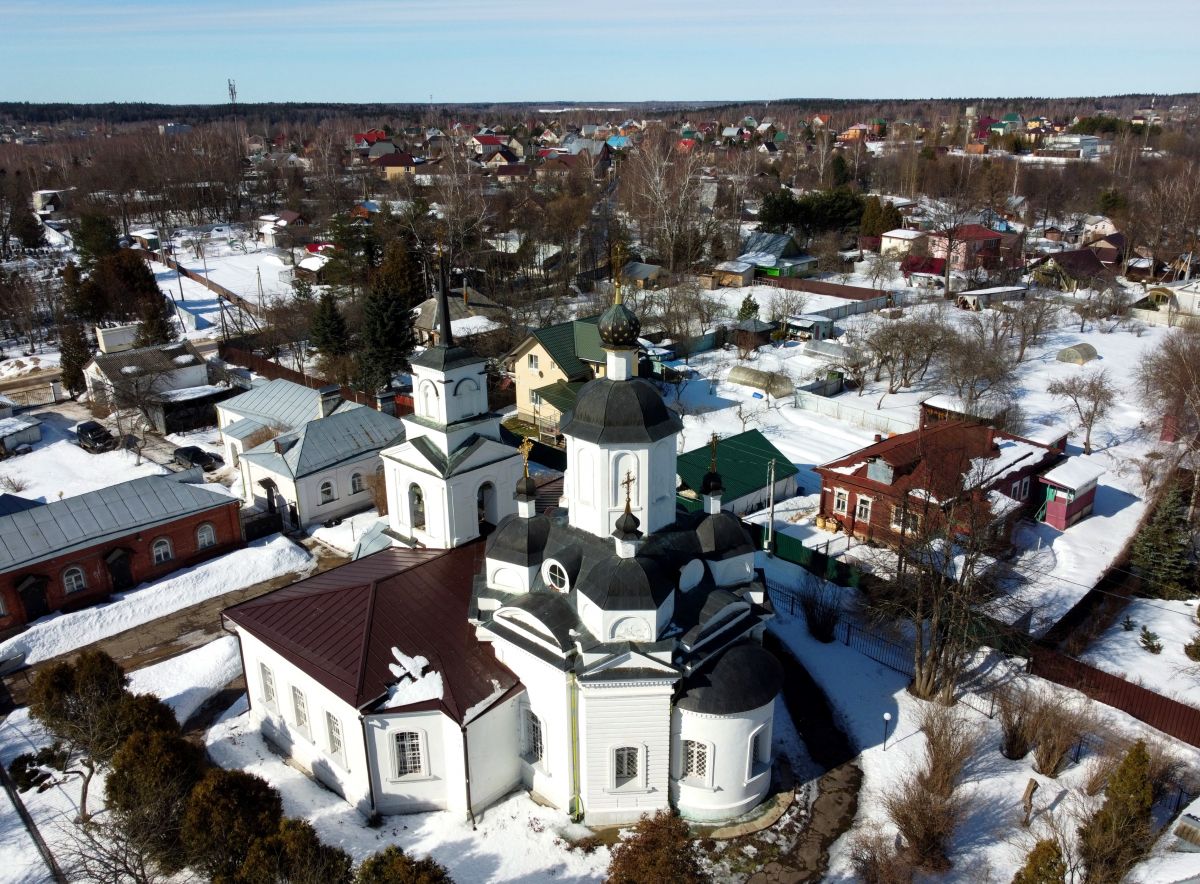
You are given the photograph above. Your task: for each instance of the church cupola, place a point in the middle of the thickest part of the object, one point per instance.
(619, 329)
(627, 530)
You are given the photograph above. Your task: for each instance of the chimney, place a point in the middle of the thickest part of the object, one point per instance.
(278, 446)
(466, 300)
(879, 437)
(331, 397)
(385, 402)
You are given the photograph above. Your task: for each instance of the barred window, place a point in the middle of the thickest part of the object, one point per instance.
(74, 580)
(268, 684)
(300, 707)
(695, 760)
(625, 764)
(408, 754)
(205, 536)
(334, 727)
(533, 737)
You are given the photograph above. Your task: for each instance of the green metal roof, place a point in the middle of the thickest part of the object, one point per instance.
(571, 343)
(743, 462)
(561, 394)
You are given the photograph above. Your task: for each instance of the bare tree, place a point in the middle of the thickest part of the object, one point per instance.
(1091, 394)
(1032, 319)
(1170, 375)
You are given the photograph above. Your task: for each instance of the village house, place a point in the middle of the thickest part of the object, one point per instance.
(899, 242)
(776, 255)
(975, 246)
(912, 481)
(606, 656)
(395, 166)
(270, 408)
(550, 366)
(130, 377)
(70, 553)
(745, 462)
(1071, 271)
(471, 313)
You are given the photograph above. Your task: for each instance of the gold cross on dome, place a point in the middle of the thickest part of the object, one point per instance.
(628, 482)
(526, 447)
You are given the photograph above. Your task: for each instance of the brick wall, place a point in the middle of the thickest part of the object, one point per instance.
(182, 534)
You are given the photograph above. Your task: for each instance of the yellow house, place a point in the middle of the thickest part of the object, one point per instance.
(550, 366)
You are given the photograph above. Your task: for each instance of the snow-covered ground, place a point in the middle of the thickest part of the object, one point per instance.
(184, 683)
(991, 844)
(257, 275)
(1169, 672)
(57, 467)
(344, 537)
(18, 364)
(515, 840)
(59, 633)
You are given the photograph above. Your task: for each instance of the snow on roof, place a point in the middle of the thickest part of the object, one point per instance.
(1045, 434)
(1075, 472)
(1013, 454)
(11, 425)
(1001, 505)
(415, 682)
(734, 266)
(185, 393)
(985, 407)
(473, 325)
(314, 262)
(904, 233)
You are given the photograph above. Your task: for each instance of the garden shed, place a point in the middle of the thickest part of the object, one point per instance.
(1078, 354)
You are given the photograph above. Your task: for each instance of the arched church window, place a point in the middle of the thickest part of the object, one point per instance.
(416, 506)
(483, 500)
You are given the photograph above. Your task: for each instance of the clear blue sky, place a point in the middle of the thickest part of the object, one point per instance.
(620, 50)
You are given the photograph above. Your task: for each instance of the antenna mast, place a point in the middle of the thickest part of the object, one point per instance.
(233, 93)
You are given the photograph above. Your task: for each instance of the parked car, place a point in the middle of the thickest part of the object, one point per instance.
(194, 456)
(93, 436)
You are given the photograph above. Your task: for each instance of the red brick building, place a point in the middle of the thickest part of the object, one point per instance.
(890, 487)
(72, 553)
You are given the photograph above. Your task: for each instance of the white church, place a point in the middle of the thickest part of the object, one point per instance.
(604, 654)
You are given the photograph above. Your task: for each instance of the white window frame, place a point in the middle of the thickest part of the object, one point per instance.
(687, 775)
(841, 501)
(67, 583)
(300, 710)
(357, 485)
(760, 736)
(898, 516)
(531, 361)
(332, 497)
(554, 567)
(634, 783)
(535, 398)
(160, 543)
(858, 507)
(1015, 491)
(422, 755)
(269, 696)
(211, 534)
(3, 607)
(335, 739)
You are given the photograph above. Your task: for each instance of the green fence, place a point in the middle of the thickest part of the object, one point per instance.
(791, 549)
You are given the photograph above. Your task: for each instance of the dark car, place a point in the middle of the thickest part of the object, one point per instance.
(94, 436)
(194, 456)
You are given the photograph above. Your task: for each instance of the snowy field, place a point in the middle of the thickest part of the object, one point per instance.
(60, 633)
(57, 467)
(1170, 672)
(991, 844)
(18, 364)
(515, 840)
(184, 683)
(257, 275)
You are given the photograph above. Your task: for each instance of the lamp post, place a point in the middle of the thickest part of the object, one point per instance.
(887, 720)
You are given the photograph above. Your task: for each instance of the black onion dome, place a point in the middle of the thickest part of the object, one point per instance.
(621, 411)
(627, 526)
(526, 488)
(711, 483)
(743, 678)
(722, 535)
(619, 328)
(637, 584)
(519, 541)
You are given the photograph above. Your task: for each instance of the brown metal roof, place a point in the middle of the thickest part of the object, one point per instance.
(340, 626)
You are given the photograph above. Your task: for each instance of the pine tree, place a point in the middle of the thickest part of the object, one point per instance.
(1160, 551)
(95, 237)
(872, 218)
(156, 322)
(393, 866)
(73, 344)
(1044, 865)
(1119, 834)
(891, 219)
(748, 310)
(329, 332)
(387, 329)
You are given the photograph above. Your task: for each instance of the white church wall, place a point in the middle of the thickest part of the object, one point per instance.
(509, 577)
(732, 571)
(615, 716)
(735, 782)
(308, 746)
(594, 479)
(494, 748)
(430, 788)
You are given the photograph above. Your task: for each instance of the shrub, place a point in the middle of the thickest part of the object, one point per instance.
(1163, 769)
(226, 812)
(1119, 834)
(1192, 648)
(1059, 727)
(659, 849)
(821, 603)
(926, 821)
(393, 866)
(13, 484)
(1128, 624)
(296, 855)
(1149, 641)
(35, 770)
(1044, 865)
(1016, 709)
(950, 741)
(875, 860)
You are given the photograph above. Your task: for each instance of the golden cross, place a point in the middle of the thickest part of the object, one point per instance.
(628, 483)
(617, 296)
(712, 443)
(525, 448)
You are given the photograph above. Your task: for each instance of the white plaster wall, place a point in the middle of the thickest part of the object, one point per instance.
(306, 493)
(735, 784)
(596, 496)
(349, 778)
(432, 790)
(493, 745)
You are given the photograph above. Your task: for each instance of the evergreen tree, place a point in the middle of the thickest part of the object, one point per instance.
(891, 219)
(660, 850)
(840, 170)
(1044, 865)
(329, 332)
(95, 237)
(293, 854)
(1112, 841)
(1160, 550)
(393, 866)
(226, 813)
(872, 218)
(73, 344)
(387, 330)
(156, 322)
(26, 227)
(748, 310)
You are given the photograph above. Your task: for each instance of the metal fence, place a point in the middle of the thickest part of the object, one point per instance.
(838, 409)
